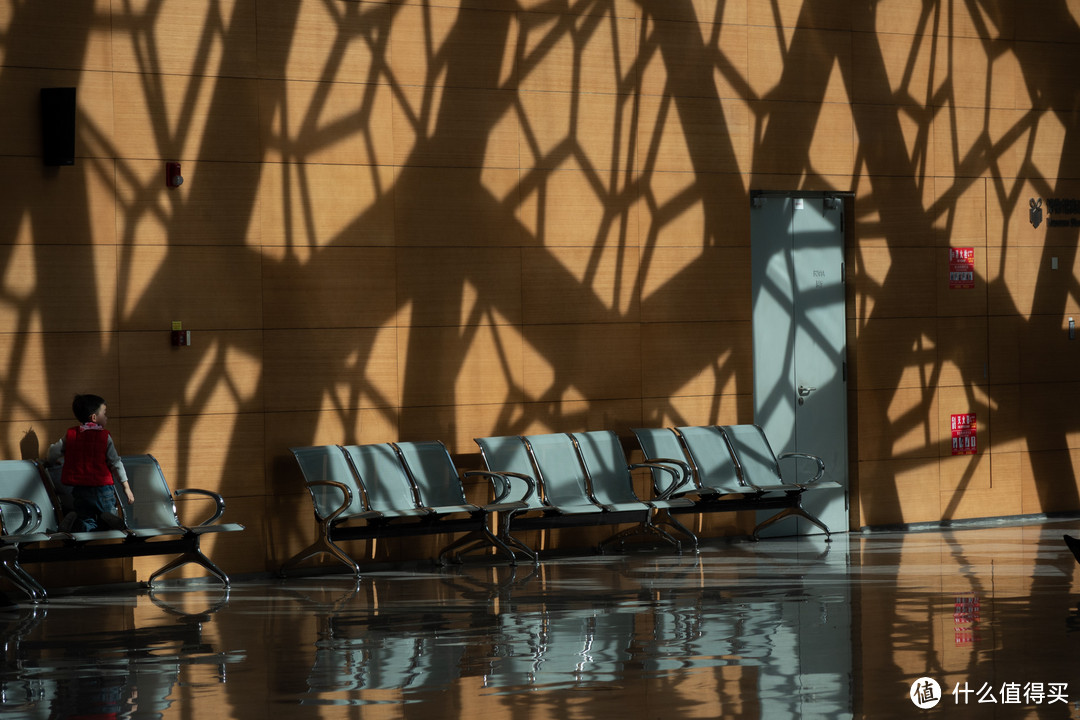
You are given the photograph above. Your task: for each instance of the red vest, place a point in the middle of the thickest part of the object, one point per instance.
(84, 457)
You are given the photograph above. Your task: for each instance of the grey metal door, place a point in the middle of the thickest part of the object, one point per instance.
(799, 330)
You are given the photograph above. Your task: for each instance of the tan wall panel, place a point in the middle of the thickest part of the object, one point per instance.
(204, 288)
(1044, 77)
(688, 284)
(1047, 422)
(58, 288)
(455, 127)
(896, 353)
(331, 369)
(453, 206)
(20, 124)
(222, 453)
(172, 38)
(44, 370)
(313, 41)
(1003, 334)
(220, 118)
(42, 203)
(457, 425)
(907, 62)
(892, 212)
(39, 36)
(967, 66)
(676, 65)
(1049, 481)
(962, 477)
(898, 424)
(559, 128)
(334, 287)
(560, 362)
(800, 65)
(310, 206)
(895, 144)
(1047, 355)
(680, 206)
(597, 58)
(326, 122)
(455, 366)
(580, 284)
(694, 134)
(217, 204)
(734, 12)
(960, 220)
(1005, 408)
(962, 351)
(960, 137)
(220, 372)
(698, 410)
(1042, 289)
(791, 13)
(799, 136)
(572, 206)
(690, 359)
(900, 282)
(1046, 21)
(456, 38)
(1050, 154)
(463, 286)
(1002, 281)
(899, 491)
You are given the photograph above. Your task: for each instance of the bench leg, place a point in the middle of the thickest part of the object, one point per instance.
(669, 519)
(322, 546)
(646, 528)
(193, 555)
(792, 512)
(22, 579)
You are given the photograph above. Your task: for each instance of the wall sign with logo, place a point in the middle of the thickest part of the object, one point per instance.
(1059, 210)
(964, 436)
(961, 268)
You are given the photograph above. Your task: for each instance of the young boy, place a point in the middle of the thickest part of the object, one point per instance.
(90, 464)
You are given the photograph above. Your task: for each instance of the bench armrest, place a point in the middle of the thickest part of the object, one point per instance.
(807, 456)
(346, 501)
(500, 495)
(219, 502)
(31, 516)
(680, 473)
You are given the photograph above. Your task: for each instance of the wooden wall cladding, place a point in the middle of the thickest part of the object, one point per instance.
(417, 221)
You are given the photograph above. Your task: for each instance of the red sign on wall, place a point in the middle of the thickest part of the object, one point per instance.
(961, 268)
(964, 435)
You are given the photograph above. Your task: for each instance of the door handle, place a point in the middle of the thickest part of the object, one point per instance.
(804, 391)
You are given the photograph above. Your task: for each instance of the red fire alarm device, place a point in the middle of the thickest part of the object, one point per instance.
(173, 178)
(180, 337)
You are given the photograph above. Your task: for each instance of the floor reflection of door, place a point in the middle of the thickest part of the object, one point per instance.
(800, 378)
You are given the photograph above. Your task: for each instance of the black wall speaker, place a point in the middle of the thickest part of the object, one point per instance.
(58, 125)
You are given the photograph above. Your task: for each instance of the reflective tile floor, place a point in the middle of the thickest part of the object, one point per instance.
(784, 628)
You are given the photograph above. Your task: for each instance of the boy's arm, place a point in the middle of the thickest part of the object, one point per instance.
(56, 452)
(113, 458)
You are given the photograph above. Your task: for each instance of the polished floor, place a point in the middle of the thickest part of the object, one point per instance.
(783, 628)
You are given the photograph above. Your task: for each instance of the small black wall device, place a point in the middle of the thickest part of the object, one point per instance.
(58, 125)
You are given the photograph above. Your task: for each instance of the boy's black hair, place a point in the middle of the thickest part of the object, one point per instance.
(86, 405)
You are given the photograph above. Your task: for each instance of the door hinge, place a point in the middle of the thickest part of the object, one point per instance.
(843, 273)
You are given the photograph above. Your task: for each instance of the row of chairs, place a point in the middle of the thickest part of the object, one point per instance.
(543, 482)
(33, 504)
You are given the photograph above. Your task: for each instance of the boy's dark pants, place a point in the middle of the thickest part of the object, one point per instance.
(93, 502)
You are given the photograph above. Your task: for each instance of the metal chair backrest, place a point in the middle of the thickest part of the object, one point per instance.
(328, 464)
(711, 459)
(662, 444)
(605, 463)
(559, 469)
(508, 454)
(154, 506)
(22, 479)
(432, 472)
(383, 476)
(753, 454)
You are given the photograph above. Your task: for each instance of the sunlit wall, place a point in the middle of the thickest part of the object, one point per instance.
(442, 220)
